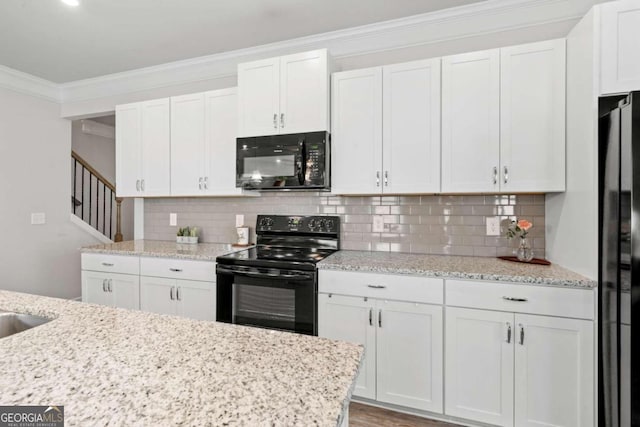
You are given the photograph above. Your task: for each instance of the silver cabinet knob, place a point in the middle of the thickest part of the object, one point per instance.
(506, 175)
(377, 178)
(521, 334)
(495, 175)
(275, 120)
(142, 184)
(282, 120)
(200, 183)
(386, 178)
(206, 182)
(137, 185)
(508, 333)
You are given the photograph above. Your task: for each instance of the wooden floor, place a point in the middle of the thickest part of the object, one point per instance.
(369, 416)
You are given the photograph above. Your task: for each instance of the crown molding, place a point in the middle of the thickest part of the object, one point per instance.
(486, 17)
(30, 85)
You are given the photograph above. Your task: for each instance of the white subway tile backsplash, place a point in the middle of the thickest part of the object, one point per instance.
(421, 224)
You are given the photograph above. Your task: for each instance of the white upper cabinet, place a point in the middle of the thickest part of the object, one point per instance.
(128, 150)
(187, 144)
(203, 143)
(259, 97)
(356, 131)
(620, 37)
(471, 122)
(304, 92)
(532, 119)
(143, 149)
(221, 118)
(411, 127)
(288, 94)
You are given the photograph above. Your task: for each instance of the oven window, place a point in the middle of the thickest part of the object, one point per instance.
(269, 166)
(264, 306)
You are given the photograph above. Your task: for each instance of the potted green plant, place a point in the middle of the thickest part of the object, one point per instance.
(187, 235)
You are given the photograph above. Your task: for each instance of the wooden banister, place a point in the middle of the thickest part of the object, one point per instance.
(97, 174)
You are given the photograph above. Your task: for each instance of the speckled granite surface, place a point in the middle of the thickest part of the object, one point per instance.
(164, 249)
(455, 267)
(119, 367)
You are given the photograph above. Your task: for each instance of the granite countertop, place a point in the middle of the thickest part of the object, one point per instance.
(112, 366)
(455, 267)
(165, 249)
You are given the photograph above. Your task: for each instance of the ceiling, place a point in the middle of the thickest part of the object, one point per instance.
(60, 43)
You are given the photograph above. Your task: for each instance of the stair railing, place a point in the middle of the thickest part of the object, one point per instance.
(93, 198)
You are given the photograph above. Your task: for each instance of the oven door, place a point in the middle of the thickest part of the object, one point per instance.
(267, 298)
(271, 162)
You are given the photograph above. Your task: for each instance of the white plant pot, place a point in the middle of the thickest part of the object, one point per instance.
(186, 239)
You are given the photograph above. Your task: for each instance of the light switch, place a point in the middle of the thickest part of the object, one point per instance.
(493, 226)
(239, 220)
(378, 224)
(38, 218)
(173, 219)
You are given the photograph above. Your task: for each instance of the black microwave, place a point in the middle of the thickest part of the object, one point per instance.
(283, 162)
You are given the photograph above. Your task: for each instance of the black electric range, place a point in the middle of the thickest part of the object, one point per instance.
(274, 285)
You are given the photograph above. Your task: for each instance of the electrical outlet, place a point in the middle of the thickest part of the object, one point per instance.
(173, 219)
(38, 218)
(239, 220)
(378, 224)
(493, 226)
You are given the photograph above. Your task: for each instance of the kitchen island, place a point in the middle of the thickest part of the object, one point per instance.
(124, 367)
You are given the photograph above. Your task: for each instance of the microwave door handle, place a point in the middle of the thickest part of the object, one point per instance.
(302, 172)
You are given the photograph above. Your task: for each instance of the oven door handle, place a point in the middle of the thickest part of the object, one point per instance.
(265, 275)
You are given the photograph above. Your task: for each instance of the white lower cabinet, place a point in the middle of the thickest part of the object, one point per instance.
(403, 347)
(111, 289)
(187, 298)
(518, 369)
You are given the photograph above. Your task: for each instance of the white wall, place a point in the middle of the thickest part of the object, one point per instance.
(100, 153)
(572, 217)
(35, 148)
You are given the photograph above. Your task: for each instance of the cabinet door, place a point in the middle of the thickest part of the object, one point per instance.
(196, 300)
(479, 368)
(128, 150)
(157, 295)
(471, 122)
(221, 124)
(126, 291)
(357, 132)
(411, 141)
(259, 97)
(351, 319)
(304, 92)
(409, 357)
(554, 372)
(187, 144)
(620, 32)
(156, 148)
(94, 288)
(532, 117)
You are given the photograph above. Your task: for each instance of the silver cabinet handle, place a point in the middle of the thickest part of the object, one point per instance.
(206, 182)
(178, 294)
(109, 283)
(171, 293)
(380, 318)
(371, 317)
(175, 270)
(495, 175)
(521, 334)
(137, 185)
(282, 120)
(275, 120)
(377, 178)
(376, 286)
(515, 299)
(386, 178)
(508, 333)
(200, 183)
(107, 264)
(104, 285)
(142, 184)
(506, 175)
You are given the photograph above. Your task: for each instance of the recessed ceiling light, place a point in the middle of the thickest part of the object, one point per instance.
(71, 2)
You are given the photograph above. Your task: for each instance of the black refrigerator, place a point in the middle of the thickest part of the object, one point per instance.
(619, 272)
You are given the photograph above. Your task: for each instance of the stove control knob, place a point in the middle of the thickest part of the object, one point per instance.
(322, 223)
(329, 224)
(311, 224)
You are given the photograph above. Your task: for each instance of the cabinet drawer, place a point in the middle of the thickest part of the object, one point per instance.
(564, 302)
(383, 286)
(178, 269)
(111, 263)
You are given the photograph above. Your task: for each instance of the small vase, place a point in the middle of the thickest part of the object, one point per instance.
(524, 252)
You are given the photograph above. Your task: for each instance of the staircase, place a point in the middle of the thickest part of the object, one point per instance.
(93, 199)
